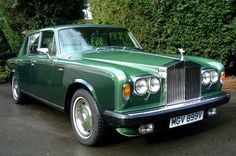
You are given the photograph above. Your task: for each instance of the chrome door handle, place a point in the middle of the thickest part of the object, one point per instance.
(33, 62)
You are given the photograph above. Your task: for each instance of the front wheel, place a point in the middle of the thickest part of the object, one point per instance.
(87, 123)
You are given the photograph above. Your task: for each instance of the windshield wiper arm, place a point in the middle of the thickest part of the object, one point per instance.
(108, 47)
(117, 47)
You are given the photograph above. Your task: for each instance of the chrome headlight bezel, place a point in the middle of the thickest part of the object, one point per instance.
(212, 76)
(154, 81)
(206, 75)
(142, 82)
(149, 80)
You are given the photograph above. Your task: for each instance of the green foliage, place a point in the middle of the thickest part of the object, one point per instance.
(204, 28)
(3, 42)
(3, 75)
(4, 49)
(17, 17)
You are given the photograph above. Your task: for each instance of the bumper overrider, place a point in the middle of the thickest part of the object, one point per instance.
(137, 118)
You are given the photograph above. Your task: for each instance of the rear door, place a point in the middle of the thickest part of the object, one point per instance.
(24, 61)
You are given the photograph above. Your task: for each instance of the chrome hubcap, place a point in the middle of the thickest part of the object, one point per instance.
(15, 88)
(82, 117)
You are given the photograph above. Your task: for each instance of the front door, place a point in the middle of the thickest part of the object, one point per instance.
(42, 66)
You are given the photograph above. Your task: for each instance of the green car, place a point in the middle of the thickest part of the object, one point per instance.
(101, 76)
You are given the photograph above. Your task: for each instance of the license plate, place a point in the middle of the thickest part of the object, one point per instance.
(186, 119)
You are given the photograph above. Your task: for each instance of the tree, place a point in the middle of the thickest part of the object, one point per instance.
(22, 16)
(4, 47)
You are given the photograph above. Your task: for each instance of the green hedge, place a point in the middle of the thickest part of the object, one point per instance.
(2, 74)
(204, 28)
(18, 17)
(5, 56)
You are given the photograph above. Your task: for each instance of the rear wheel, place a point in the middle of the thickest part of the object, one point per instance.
(18, 96)
(87, 123)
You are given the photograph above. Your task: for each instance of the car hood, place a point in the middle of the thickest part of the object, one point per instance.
(132, 63)
(135, 63)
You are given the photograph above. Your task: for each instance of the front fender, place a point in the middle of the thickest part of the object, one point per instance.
(85, 84)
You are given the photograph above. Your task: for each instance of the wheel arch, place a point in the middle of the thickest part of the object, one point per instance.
(11, 73)
(75, 85)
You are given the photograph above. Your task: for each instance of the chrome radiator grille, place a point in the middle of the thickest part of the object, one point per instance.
(183, 82)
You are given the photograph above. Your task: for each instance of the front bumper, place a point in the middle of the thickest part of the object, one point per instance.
(137, 118)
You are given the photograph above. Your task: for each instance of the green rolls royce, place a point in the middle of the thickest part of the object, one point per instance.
(101, 76)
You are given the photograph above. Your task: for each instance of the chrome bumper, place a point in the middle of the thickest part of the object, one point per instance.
(133, 119)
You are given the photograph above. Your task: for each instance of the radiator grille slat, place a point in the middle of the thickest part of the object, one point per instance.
(192, 83)
(183, 81)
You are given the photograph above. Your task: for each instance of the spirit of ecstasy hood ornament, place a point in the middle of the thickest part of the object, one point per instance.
(181, 50)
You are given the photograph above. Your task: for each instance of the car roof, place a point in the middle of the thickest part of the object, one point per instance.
(59, 27)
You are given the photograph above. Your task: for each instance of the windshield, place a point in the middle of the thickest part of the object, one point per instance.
(83, 39)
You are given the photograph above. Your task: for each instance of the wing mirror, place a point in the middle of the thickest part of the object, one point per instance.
(43, 51)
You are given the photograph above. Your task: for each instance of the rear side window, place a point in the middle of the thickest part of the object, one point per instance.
(33, 42)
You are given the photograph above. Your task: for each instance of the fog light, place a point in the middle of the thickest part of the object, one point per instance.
(212, 112)
(145, 129)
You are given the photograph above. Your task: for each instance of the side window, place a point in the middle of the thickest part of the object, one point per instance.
(33, 43)
(48, 42)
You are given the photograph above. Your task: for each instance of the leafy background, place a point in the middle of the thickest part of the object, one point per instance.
(204, 28)
(18, 17)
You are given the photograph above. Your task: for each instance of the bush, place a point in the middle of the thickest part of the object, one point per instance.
(18, 17)
(204, 28)
(5, 56)
(3, 75)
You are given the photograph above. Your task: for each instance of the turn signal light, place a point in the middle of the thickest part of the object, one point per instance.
(223, 76)
(126, 91)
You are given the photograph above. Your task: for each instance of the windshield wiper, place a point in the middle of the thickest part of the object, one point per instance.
(108, 47)
(132, 48)
(117, 47)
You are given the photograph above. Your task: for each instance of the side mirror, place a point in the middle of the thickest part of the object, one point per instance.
(43, 51)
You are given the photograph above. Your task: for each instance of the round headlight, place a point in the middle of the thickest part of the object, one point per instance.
(141, 86)
(154, 85)
(214, 76)
(206, 77)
